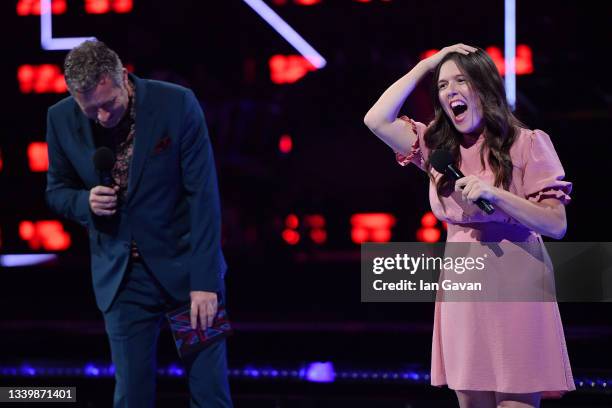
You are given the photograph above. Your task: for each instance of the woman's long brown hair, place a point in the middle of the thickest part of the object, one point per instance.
(500, 125)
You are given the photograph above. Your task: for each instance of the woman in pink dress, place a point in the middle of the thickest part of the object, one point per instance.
(493, 354)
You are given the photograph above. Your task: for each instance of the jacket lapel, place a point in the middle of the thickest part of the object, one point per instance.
(84, 129)
(145, 124)
(86, 139)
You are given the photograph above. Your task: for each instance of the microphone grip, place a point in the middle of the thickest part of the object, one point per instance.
(483, 204)
(106, 179)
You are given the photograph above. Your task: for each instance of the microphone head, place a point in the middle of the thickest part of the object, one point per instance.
(440, 160)
(104, 159)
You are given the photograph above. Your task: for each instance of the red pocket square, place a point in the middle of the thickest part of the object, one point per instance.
(161, 145)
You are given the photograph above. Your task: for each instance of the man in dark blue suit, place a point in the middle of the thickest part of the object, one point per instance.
(154, 234)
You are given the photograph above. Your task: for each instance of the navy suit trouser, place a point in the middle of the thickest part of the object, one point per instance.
(133, 323)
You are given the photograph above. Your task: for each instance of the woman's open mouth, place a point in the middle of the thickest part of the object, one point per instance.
(459, 109)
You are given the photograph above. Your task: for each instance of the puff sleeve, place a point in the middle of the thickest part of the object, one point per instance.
(418, 153)
(543, 173)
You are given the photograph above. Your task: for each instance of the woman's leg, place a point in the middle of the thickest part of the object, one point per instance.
(476, 399)
(506, 400)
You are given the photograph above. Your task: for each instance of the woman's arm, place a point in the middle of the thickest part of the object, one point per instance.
(546, 217)
(382, 117)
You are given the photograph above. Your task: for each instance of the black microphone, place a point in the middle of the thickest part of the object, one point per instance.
(104, 160)
(443, 162)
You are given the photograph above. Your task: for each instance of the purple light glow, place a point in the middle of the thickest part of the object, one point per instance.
(320, 372)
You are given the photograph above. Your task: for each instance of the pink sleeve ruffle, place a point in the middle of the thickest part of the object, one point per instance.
(561, 193)
(415, 155)
(543, 176)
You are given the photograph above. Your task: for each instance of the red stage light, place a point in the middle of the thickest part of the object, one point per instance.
(292, 221)
(318, 236)
(291, 237)
(1, 161)
(428, 235)
(279, 2)
(524, 60)
(97, 6)
(48, 234)
(53, 236)
(25, 77)
(306, 2)
(285, 144)
(122, 6)
(429, 220)
(373, 227)
(315, 221)
(46, 78)
(38, 156)
(106, 6)
(428, 231)
(58, 6)
(359, 235)
(313, 225)
(32, 7)
(428, 53)
(287, 69)
(26, 230)
(498, 58)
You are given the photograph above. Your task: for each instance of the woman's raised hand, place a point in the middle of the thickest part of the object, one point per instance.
(433, 61)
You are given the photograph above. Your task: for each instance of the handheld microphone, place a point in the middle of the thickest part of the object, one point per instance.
(104, 160)
(443, 162)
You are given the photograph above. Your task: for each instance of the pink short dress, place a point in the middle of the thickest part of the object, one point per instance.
(512, 347)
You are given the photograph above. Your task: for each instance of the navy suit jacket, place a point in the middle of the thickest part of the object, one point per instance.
(172, 208)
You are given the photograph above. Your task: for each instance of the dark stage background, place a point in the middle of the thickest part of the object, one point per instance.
(295, 160)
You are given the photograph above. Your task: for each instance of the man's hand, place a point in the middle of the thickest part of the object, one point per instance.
(103, 200)
(203, 307)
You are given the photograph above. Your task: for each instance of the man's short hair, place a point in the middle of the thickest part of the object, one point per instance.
(86, 64)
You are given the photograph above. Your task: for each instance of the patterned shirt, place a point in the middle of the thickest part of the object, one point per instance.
(121, 140)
